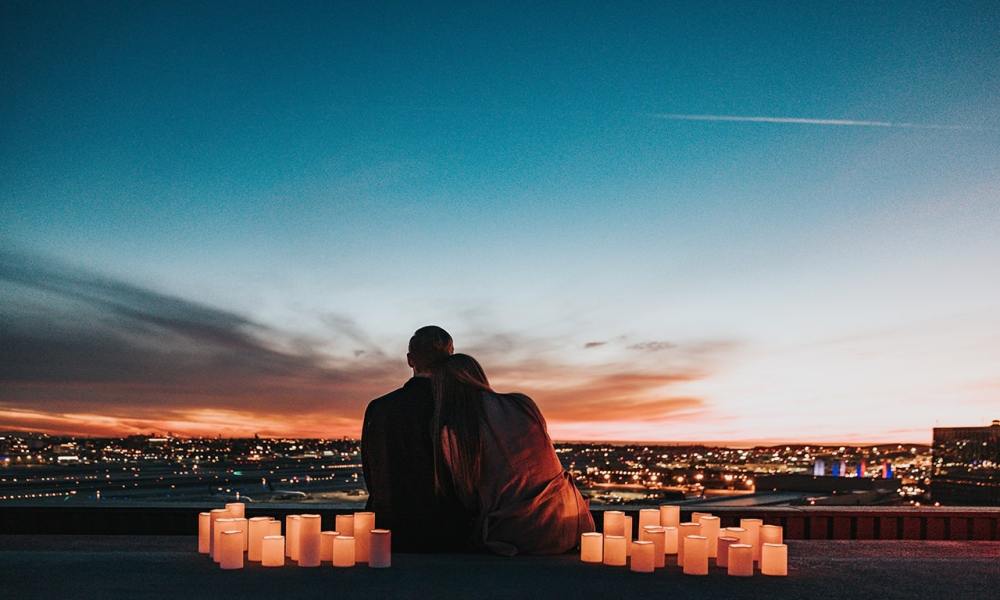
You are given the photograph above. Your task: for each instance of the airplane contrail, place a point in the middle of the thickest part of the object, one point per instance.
(804, 121)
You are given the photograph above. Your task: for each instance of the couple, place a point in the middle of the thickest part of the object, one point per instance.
(452, 465)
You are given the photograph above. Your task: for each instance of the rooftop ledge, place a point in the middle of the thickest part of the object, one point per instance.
(138, 567)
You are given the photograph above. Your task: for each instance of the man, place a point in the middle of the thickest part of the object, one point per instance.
(398, 458)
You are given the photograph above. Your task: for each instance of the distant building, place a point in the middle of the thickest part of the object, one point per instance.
(967, 465)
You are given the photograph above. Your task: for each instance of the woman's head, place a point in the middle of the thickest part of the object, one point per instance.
(459, 382)
(457, 372)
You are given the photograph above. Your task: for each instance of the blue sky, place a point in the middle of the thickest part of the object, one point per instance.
(334, 175)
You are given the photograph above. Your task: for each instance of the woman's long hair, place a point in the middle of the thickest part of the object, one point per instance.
(459, 382)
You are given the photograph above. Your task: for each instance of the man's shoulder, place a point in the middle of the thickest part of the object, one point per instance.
(412, 390)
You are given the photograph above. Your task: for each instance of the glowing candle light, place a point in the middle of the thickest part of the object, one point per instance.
(658, 536)
(380, 549)
(343, 551)
(274, 528)
(696, 516)
(309, 530)
(740, 560)
(237, 510)
(614, 523)
(684, 530)
(710, 529)
(256, 530)
(292, 536)
(774, 559)
(771, 534)
(643, 557)
(214, 515)
(272, 550)
(670, 540)
(722, 556)
(695, 555)
(648, 517)
(628, 536)
(326, 545)
(240, 524)
(738, 533)
(670, 515)
(220, 526)
(753, 534)
(345, 524)
(614, 550)
(204, 532)
(231, 549)
(364, 522)
(592, 547)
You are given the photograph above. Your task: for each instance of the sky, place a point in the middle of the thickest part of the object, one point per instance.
(727, 222)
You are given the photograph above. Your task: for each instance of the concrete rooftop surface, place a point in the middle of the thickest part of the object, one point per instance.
(69, 566)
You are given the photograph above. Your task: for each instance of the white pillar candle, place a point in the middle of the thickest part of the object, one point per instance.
(220, 526)
(204, 532)
(345, 524)
(256, 530)
(309, 530)
(696, 555)
(240, 523)
(771, 534)
(738, 533)
(696, 516)
(274, 528)
(722, 556)
(670, 515)
(670, 540)
(231, 549)
(774, 559)
(710, 529)
(272, 550)
(684, 530)
(214, 515)
(648, 517)
(753, 534)
(326, 545)
(292, 536)
(380, 549)
(237, 510)
(592, 547)
(628, 536)
(364, 522)
(343, 551)
(614, 523)
(657, 535)
(614, 550)
(643, 557)
(740, 560)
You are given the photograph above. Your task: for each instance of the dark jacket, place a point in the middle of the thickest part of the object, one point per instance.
(398, 462)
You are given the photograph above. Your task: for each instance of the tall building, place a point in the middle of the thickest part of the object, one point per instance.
(967, 465)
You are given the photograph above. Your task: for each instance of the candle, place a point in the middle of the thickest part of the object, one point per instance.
(292, 536)
(364, 522)
(237, 510)
(220, 526)
(614, 522)
(722, 556)
(670, 515)
(648, 517)
(240, 524)
(614, 550)
(696, 516)
(274, 528)
(695, 555)
(684, 530)
(204, 532)
(256, 530)
(326, 545)
(774, 559)
(380, 549)
(740, 560)
(753, 534)
(670, 540)
(628, 536)
(231, 549)
(343, 551)
(771, 534)
(643, 556)
(592, 547)
(272, 550)
(710, 529)
(309, 529)
(656, 535)
(345, 524)
(214, 515)
(738, 533)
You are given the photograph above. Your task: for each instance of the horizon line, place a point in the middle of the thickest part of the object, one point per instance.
(815, 121)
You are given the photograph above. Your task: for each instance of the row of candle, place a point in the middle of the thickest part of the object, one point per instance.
(661, 533)
(226, 534)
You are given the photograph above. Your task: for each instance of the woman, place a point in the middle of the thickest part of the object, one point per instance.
(494, 451)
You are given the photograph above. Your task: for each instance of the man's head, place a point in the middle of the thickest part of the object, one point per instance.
(427, 346)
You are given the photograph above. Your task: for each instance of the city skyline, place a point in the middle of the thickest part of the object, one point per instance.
(695, 223)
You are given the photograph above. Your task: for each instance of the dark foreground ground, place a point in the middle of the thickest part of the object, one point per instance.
(169, 567)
